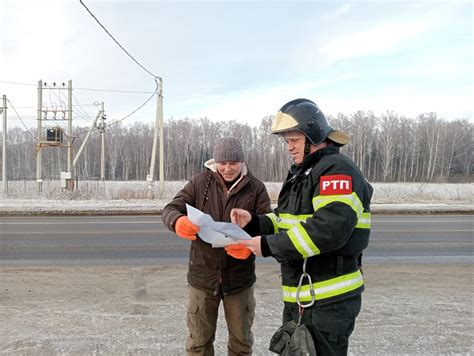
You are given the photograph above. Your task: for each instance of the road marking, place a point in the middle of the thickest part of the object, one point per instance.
(119, 232)
(89, 222)
(400, 230)
(375, 220)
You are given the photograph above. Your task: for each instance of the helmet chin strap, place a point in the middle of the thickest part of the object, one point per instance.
(307, 147)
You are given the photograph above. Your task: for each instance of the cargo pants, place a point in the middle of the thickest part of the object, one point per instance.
(202, 313)
(330, 325)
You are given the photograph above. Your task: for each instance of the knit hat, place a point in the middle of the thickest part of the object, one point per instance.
(228, 149)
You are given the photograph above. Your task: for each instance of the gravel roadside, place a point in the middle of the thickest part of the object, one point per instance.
(415, 310)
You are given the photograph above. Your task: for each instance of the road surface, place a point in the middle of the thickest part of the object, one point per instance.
(143, 240)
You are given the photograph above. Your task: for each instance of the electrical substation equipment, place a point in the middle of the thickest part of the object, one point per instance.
(54, 135)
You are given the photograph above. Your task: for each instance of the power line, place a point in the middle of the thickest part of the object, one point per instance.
(20, 119)
(86, 89)
(17, 83)
(80, 109)
(115, 91)
(138, 108)
(128, 54)
(130, 114)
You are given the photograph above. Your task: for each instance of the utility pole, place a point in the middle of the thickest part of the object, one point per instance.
(69, 134)
(102, 148)
(54, 137)
(162, 163)
(4, 152)
(39, 136)
(86, 140)
(101, 128)
(158, 128)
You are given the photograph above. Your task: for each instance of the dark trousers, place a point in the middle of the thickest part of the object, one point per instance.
(203, 307)
(330, 325)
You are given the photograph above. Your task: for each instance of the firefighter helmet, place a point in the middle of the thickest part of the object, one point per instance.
(304, 116)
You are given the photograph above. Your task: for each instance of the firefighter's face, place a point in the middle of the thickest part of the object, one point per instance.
(295, 144)
(229, 170)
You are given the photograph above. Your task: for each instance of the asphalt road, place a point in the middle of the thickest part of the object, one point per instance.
(143, 240)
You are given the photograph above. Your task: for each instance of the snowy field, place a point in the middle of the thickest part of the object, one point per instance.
(140, 196)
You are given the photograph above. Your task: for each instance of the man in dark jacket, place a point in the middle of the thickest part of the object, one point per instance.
(216, 274)
(319, 229)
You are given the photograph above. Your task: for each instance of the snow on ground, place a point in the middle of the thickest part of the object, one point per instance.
(141, 197)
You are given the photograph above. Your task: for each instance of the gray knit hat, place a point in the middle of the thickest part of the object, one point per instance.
(228, 149)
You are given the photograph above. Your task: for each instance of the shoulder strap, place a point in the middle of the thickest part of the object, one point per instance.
(208, 183)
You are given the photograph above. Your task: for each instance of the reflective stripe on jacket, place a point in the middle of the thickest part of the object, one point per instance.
(323, 215)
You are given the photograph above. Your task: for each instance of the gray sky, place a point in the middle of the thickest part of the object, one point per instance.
(241, 60)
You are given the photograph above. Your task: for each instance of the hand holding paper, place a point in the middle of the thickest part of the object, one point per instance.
(238, 251)
(253, 244)
(185, 228)
(218, 234)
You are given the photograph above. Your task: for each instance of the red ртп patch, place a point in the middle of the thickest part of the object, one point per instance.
(335, 185)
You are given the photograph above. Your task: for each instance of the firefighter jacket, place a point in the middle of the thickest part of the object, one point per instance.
(212, 269)
(323, 215)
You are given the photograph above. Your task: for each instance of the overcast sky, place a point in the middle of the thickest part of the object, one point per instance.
(241, 60)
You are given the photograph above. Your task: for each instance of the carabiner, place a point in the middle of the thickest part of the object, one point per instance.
(311, 288)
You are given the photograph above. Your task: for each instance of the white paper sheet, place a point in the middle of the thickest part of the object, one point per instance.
(218, 234)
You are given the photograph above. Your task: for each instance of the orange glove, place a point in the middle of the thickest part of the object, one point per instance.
(239, 251)
(185, 228)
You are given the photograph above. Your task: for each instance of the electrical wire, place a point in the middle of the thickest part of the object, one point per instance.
(115, 91)
(83, 114)
(86, 89)
(155, 77)
(128, 54)
(128, 115)
(131, 113)
(8, 82)
(63, 102)
(138, 108)
(21, 119)
(80, 110)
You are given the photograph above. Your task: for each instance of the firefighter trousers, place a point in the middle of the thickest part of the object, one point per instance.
(330, 325)
(203, 307)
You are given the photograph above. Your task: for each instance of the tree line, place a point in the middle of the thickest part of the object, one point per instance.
(388, 148)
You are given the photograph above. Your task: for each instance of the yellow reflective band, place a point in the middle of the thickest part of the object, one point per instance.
(274, 219)
(365, 221)
(302, 242)
(350, 199)
(325, 289)
(288, 221)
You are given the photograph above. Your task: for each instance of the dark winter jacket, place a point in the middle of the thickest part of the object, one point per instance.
(212, 268)
(323, 215)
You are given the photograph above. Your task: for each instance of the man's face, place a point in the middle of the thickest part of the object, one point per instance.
(229, 170)
(295, 144)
